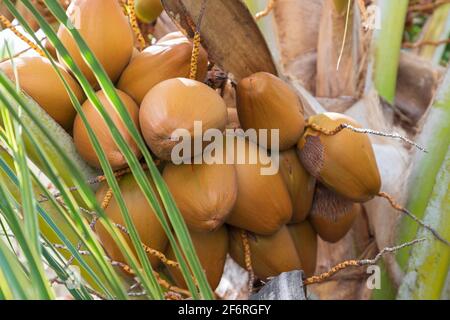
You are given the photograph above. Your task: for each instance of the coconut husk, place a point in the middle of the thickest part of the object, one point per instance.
(234, 42)
(337, 69)
(417, 83)
(298, 50)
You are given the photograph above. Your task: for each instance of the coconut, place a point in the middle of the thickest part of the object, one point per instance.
(332, 216)
(141, 213)
(148, 10)
(263, 204)
(211, 249)
(266, 102)
(300, 184)
(270, 255)
(106, 30)
(27, 15)
(101, 130)
(305, 241)
(344, 162)
(40, 81)
(163, 61)
(176, 104)
(171, 36)
(5, 12)
(204, 193)
(233, 119)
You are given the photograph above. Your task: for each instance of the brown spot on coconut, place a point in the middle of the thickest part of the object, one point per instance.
(344, 161)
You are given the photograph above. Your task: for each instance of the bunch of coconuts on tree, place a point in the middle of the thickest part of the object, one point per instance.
(324, 175)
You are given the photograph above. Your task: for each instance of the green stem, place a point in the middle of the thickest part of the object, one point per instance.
(436, 29)
(429, 200)
(427, 265)
(388, 41)
(429, 262)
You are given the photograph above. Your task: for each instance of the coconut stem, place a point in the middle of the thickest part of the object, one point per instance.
(194, 57)
(196, 44)
(30, 43)
(127, 269)
(343, 126)
(357, 263)
(398, 207)
(153, 252)
(266, 11)
(248, 260)
(105, 202)
(107, 198)
(134, 24)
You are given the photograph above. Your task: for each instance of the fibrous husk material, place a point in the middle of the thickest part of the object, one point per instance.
(417, 83)
(344, 162)
(297, 25)
(240, 49)
(332, 216)
(337, 69)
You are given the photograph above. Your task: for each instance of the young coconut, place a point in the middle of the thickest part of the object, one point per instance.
(300, 184)
(148, 10)
(40, 81)
(27, 15)
(233, 119)
(5, 12)
(305, 241)
(171, 36)
(263, 204)
(106, 30)
(142, 214)
(270, 255)
(204, 193)
(266, 102)
(344, 162)
(101, 130)
(332, 216)
(211, 249)
(163, 61)
(173, 106)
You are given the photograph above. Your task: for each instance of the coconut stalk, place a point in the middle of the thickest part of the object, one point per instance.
(265, 24)
(338, 50)
(436, 29)
(388, 41)
(297, 27)
(428, 189)
(429, 199)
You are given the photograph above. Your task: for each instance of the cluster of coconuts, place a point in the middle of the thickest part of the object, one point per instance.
(318, 190)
